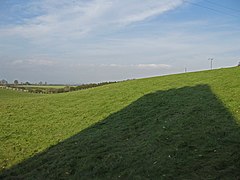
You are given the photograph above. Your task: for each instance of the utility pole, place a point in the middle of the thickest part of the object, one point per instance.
(211, 62)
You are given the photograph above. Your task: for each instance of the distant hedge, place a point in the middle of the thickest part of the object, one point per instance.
(56, 90)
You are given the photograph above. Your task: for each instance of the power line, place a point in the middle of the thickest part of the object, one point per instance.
(220, 5)
(215, 10)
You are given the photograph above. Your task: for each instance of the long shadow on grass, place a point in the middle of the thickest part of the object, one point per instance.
(184, 133)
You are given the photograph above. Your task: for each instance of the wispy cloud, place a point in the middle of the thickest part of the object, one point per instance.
(136, 66)
(33, 62)
(154, 66)
(65, 19)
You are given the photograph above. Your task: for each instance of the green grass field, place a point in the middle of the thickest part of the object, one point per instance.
(184, 126)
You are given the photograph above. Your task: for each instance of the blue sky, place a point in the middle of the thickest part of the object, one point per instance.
(82, 41)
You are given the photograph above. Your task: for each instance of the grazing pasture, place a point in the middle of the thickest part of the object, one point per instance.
(184, 126)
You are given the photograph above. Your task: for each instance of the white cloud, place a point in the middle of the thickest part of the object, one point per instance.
(66, 19)
(154, 66)
(33, 62)
(135, 66)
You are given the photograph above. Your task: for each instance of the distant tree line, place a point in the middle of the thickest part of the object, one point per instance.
(16, 82)
(47, 90)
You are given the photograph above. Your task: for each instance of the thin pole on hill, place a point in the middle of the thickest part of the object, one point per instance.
(211, 63)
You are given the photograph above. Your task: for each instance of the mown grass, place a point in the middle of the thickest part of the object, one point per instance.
(9, 95)
(178, 126)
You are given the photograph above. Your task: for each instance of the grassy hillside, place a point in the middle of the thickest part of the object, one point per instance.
(185, 126)
(12, 94)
